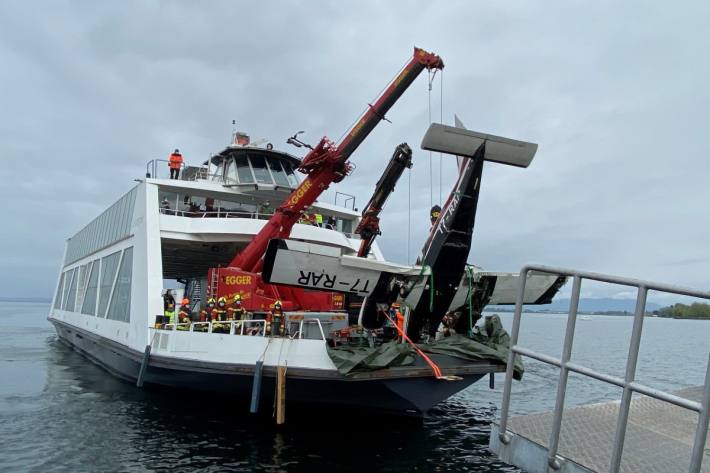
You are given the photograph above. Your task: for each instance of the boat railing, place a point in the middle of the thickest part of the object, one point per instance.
(238, 214)
(210, 326)
(627, 383)
(311, 321)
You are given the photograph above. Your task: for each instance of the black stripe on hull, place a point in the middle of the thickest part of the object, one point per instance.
(404, 395)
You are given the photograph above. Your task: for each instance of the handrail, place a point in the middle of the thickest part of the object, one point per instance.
(210, 325)
(311, 320)
(628, 383)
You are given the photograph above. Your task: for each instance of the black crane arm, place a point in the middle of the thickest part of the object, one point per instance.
(369, 226)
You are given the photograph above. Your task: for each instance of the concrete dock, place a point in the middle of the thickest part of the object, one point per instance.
(659, 437)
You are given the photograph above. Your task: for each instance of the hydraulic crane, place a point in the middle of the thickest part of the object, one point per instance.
(369, 226)
(325, 164)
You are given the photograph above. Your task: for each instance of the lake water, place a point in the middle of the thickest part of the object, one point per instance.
(58, 412)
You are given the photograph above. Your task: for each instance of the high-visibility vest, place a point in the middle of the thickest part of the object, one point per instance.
(175, 161)
(319, 220)
(171, 316)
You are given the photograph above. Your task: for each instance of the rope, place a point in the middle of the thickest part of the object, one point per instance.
(469, 296)
(441, 120)
(429, 361)
(409, 213)
(431, 167)
(431, 285)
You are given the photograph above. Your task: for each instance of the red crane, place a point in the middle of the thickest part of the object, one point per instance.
(325, 164)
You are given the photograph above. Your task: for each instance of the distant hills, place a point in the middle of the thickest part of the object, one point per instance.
(45, 300)
(588, 305)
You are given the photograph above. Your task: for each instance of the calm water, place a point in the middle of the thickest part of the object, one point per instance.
(61, 413)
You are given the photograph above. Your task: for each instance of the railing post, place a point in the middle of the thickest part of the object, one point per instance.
(701, 432)
(624, 407)
(564, 372)
(508, 384)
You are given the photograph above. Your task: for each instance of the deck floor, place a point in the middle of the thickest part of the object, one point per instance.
(659, 436)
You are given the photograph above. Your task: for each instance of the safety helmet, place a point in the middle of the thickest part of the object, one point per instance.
(237, 297)
(277, 305)
(221, 301)
(210, 301)
(177, 150)
(185, 301)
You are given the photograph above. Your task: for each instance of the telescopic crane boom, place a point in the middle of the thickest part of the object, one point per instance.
(369, 226)
(327, 163)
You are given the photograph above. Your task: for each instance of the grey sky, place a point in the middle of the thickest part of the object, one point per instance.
(614, 93)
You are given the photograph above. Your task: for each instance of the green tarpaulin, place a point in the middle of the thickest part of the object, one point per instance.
(490, 342)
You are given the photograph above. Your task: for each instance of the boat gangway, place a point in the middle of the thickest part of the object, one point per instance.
(668, 431)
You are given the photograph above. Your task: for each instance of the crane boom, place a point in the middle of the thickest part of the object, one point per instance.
(327, 163)
(369, 226)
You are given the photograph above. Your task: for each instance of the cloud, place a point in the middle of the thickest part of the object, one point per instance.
(614, 94)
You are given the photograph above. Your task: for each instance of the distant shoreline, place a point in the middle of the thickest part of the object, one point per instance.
(605, 314)
(44, 300)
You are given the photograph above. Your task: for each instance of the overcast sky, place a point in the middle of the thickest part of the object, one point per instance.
(615, 93)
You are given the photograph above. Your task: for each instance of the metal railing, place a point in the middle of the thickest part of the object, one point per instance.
(242, 324)
(310, 321)
(628, 383)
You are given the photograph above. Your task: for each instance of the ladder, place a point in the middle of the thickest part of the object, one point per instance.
(212, 292)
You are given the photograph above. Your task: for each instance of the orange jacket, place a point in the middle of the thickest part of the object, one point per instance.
(175, 161)
(400, 320)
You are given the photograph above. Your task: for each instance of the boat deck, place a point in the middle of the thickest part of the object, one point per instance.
(659, 436)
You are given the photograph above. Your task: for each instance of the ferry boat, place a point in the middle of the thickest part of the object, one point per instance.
(209, 230)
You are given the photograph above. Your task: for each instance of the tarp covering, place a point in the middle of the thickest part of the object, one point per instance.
(490, 342)
(353, 359)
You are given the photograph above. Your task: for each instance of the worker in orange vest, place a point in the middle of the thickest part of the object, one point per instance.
(399, 319)
(175, 163)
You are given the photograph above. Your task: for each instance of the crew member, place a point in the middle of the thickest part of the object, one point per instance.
(184, 314)
(331, 223)
(221, 316)
(400, 322)
(169, 313)
(236, 312)
(319, 220)
(276, 319)
(175, 163)
(168, 299)
(434, 214)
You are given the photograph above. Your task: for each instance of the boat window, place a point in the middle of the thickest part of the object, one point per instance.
(258, 164)
(230, 176)
(121, 299)
(81, 287)
(108, 273)
(243, 170)
(167, 201)
(290, 175)
(89, 306)
(67, 282)
(71, 295)
(345, 226)
(277, 171)
(58, 295)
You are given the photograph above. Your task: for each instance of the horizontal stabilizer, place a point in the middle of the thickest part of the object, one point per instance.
(495, 288)
(314, 266)
(462, 142)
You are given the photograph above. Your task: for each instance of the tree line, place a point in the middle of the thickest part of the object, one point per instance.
(696, 310)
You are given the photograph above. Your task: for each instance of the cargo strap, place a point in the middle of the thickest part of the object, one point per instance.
(429, 361)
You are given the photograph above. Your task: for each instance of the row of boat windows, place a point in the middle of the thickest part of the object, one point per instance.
(101, 287)
(182, 205)
(257, 168)
(112, 225)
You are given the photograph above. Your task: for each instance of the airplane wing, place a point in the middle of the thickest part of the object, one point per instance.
(314, 266)
(496, 288)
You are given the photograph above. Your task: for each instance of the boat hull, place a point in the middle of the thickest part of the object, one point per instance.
(405, 395)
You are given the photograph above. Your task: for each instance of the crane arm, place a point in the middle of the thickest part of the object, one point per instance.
(369, 226)
(327, 162)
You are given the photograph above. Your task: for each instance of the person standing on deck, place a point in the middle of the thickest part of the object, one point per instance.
(175, 163)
